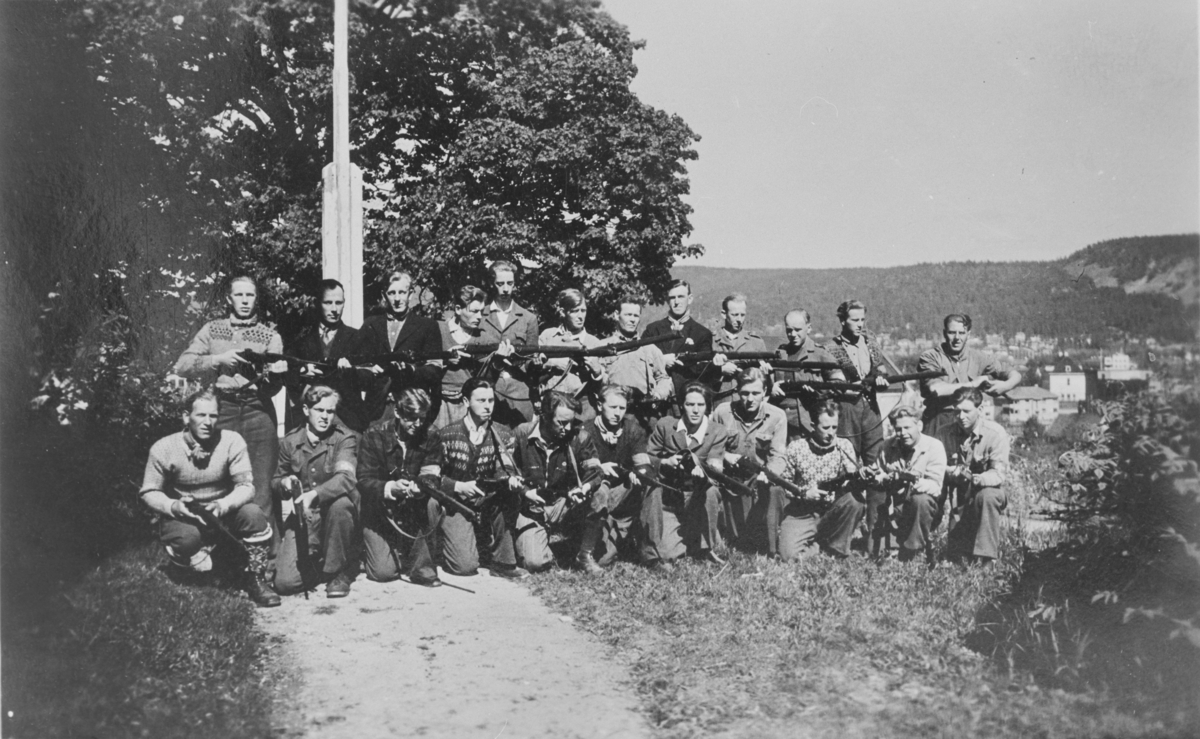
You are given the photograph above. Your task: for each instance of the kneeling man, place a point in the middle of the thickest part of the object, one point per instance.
(911, 466)
(979, 469)
(199, 480)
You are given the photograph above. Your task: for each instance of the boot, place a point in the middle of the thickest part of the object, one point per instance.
(587, 543)
(258, 585)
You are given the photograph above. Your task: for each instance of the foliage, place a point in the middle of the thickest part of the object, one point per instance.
(1117, 603)
(484, 129)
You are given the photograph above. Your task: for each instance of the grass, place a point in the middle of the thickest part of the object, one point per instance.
(828, 648)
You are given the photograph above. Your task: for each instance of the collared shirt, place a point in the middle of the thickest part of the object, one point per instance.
(500, 315)
(763, 436)
(328, 334)
(460, 335)
(476, 434)
(860, 354)
(985, 453)
(926, 459)
(558, 467)
(394, 327)
(695, 438)
(969, 365)
(642, 369)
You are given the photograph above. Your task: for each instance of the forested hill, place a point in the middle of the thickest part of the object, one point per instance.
(1145, 286)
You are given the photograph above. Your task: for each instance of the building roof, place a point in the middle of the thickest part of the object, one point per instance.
(1030, 392)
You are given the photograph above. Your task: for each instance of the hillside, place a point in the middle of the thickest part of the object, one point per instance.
(1145, 286)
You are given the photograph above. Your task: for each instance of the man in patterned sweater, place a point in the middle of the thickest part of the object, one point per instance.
(206, 467)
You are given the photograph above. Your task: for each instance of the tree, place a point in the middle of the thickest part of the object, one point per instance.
(485, 129)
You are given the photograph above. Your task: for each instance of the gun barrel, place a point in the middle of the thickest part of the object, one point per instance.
(449, 501)
(792, 364)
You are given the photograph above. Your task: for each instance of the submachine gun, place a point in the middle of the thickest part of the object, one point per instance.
(792, 387)
(304, 558)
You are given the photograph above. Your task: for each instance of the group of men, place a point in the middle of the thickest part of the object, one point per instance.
(480, 440)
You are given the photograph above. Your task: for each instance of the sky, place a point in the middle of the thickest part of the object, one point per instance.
(843, 133)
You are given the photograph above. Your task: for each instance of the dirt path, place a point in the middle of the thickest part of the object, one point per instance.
(400, 660)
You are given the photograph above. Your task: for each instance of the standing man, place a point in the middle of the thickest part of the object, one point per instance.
(461, 460)
(801, 348)
(205, 467)
(568, 375)
(758, 433)
(859, 420)
(330, 342)
(320, 460)
(642, 371)
(733, 337)
(980, 467)
(564, 491)
(506, 320)
(389, 463)
(458, 331)
(693, 336)
(398, 329)
(911, 468)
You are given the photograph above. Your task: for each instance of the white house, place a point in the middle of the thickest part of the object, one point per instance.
(1068, 382)
(1023, 403)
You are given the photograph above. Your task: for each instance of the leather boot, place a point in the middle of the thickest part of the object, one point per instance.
(258, 585)
(587, 544)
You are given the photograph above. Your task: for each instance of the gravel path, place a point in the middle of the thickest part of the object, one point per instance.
(396, 659)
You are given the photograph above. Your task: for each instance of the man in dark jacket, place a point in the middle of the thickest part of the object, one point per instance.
(506, 320)
(329, 341)
(693, 337)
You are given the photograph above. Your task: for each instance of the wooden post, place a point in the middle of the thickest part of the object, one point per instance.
(341, 216)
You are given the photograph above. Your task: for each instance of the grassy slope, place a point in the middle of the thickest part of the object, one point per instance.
(821, 648)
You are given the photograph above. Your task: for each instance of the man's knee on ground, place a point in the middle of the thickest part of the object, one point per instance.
(989, 498)
(181, 540)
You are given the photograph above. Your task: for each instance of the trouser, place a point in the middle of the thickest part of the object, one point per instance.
(879, 521)
(915, 524)
(674, 522)
(978, 531)
(538, 527)
(450, 411)
(808, 524)
(183, 539)
(944, 427)
(332, 543)
(460, 550)
(621, 527)
(255, 421)
(752, 522)
(861, 424)
(385, 550)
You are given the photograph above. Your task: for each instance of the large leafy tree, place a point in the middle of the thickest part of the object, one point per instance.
(485, 129)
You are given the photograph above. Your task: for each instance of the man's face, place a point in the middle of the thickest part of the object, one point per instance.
(825, 429)
(629, 318)
(796, 329)
(735, 317)
(408, 424)
(956, 336)
(678, 301)
(480, 405)
(575, 318)
(397, 296)
(967, 414)
(908, 431)
(470, 316)
(613, 411)
(320, 415)
(503, 282)
(854, 323)
(333, 302)
(694, 409)
(202, 419)
(560, 423)
(242, 297)
(751, 395)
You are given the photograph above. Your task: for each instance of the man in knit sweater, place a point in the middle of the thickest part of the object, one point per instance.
(206, 467)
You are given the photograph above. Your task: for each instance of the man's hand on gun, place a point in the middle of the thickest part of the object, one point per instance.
(180, 510)
(400, 490)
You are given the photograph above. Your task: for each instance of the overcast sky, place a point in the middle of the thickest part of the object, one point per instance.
(847, 133)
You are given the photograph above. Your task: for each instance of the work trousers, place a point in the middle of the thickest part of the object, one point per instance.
(184, 538)
(977, 531)
(861, 424)
(538, 527)
(752, 522)
(332, 543)
(915, 524)
(460, 548)
(450, 411)
(621, 526)
(386, 551)
(674, 522)
(808, 525)
(255, 421)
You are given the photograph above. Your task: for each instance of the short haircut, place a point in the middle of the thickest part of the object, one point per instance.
(240, 278)
(734, 298)
(904, 411)
(316, 393)
(697, 387)
(680, 283)
(973, 394)
(204, 393)
(475, 383)
(611, 389)
(750, 375)
(327, 285)
(397, 276)
(568, 300)
(553, 400)
(799, 312)
(469, 294)
(628, 299)
(962, 318)
(503, 265)
(827, 407)
(414, 401)
(843, 310)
